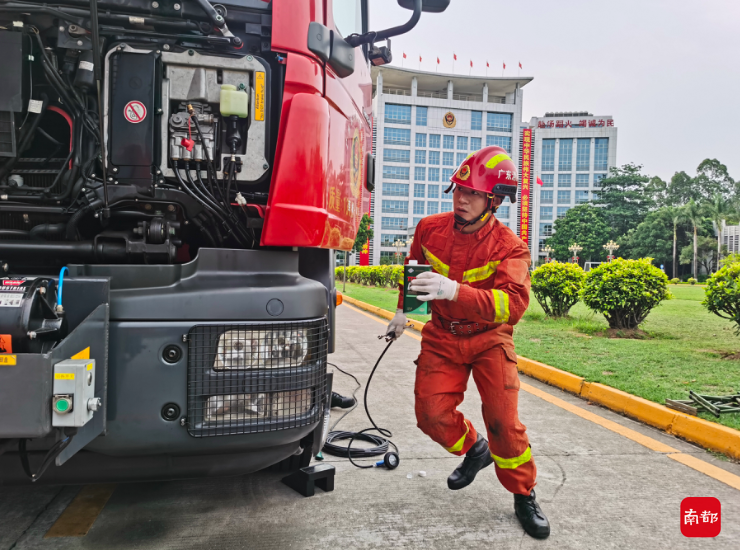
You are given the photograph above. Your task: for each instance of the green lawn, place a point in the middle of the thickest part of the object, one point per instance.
(684, 350)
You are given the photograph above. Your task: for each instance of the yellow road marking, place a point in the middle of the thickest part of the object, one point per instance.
(653, 444)
(79, 516)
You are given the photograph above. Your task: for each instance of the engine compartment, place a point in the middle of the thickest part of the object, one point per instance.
(189, 124)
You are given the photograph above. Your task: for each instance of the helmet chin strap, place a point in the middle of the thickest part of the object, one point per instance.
(490, 209)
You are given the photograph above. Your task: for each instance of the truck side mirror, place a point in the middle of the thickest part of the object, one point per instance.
(331, 48)
(431, 6)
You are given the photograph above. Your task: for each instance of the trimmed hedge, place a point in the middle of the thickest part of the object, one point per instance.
(557, 287)
(722, 295)
(377, 275)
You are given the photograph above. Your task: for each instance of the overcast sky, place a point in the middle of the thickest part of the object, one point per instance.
(668, 71)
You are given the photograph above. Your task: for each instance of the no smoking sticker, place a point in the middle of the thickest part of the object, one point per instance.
(134, 111)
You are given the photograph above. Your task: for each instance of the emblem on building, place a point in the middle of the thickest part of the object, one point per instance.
(449, 120)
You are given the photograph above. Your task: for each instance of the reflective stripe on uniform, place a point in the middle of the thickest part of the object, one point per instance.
(480, 273)
(457, 447)
(493, 161)
(441, 268)
(511, 463)
(501, 302)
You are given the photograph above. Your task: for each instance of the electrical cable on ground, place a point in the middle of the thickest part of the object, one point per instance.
(382, 442)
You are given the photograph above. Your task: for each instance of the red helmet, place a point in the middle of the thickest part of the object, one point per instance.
(490, 171)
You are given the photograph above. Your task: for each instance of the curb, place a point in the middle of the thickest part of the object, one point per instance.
(706, 434)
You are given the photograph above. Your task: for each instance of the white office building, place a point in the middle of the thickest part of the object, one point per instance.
(425, 125)
(571, 153)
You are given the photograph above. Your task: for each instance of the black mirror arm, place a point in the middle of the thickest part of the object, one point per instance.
(355, 40)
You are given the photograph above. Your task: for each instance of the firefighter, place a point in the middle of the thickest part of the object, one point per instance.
(479, 287)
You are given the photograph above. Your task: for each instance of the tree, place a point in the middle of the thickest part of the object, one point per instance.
(722, 295)
(364, 234)
(719, 210)
(706, 253)
(657, 190)
(584, 224)
(557, 287)
(626, 198)
(651, 238)
(712, 177)
(676, 216)
(693, 213)
(681, 189)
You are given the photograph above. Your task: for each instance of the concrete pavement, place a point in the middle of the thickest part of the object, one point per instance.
(599, 489)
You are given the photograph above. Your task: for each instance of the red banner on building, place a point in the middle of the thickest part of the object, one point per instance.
(526, 180)
(365, 254)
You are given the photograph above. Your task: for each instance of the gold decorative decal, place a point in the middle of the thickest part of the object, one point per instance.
(464, 172)
(355, 160)
(449, 120)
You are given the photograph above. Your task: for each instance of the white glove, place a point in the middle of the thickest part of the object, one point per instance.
(397, 325)
(436, 287)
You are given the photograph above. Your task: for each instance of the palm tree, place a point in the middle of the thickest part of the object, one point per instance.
(676, 215)
(693, 212)
(719, 210)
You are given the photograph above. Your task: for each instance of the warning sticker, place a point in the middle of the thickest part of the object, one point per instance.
(7, 360)
(10, 299)
(64, 376)
(6, 343)
(134, 111)
(259, 96)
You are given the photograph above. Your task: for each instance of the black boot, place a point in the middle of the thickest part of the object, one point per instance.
(341, 401)
(477, 458)
(531, 517)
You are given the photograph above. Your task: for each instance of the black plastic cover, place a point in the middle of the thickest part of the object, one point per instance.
(11, 67)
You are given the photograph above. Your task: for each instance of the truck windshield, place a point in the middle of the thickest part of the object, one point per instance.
(348, 16)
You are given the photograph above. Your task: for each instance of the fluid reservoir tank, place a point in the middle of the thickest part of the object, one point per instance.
(234, 102)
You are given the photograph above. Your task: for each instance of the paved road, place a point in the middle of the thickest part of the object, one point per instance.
(599, 488)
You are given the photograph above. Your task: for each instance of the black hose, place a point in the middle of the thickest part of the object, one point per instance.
(46, 230)
(71, 231)
(205, 231)
(14, 233)
(25, 138)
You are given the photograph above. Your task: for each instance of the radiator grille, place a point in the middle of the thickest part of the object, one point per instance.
(252, 378)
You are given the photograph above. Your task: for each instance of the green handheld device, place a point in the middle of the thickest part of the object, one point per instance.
(410, 303)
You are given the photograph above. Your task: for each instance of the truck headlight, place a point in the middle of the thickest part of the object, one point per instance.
(247, 406)
(248, 349)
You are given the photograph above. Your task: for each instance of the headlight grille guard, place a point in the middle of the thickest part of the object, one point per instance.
(255, 377)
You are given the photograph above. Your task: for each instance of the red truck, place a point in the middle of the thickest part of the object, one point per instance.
(175, 176)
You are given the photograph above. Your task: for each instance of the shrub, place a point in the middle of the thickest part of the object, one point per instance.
(691, 281)
(722, 295)
(557, 287)
(675, 281)
(378, 275)
(625, 291)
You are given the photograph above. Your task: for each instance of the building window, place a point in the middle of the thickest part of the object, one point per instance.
(433, 174)
(548, 155)
(449, 142)
(581, 180)
(476, 120)
(448, 159)
(594, 196)
(433, 157)
(398, 114)
(601, 154)
(545, 229)
(396, 136)
(421, 116)
(419, 207)
(434, 141)
(581, 197)
(498, 122)
(446, 206)
(433, 192)
(396, 172)
(583, 155)
(502, 212)
(563, 197)
(419, 190)
(546, 212)
(598, 178)
(546, 197)
(547, 180)
(475, 144)
(432, 207)
(564, 180)
(565, 162)
(562, 211)
(420, 173)
(392, 256)
(387, 239)
(421, 140)
(416, 221)
(396, 155)
(462, 143)
(447, 174)
(393, 223)
(395, 207)
(461, 157)
(420, 156)
(499, 141)
(395, 189)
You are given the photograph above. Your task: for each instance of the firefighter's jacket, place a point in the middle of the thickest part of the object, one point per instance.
(492, 267)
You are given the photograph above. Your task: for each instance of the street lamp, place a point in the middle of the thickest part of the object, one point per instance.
(399, 244)
(575, 248)
(548, 250)
(611, 247)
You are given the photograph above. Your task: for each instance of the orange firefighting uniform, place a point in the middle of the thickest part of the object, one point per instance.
(492, 267)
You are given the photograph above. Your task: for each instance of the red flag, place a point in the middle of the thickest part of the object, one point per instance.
(419, 59)
(520, 65)
(487, 65)
(504, 64)
(455, 56)
(471, 63)
(539, 181)
(438, 61)
(404, 55)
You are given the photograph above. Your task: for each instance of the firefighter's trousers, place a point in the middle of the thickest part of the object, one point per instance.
(442, 373)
